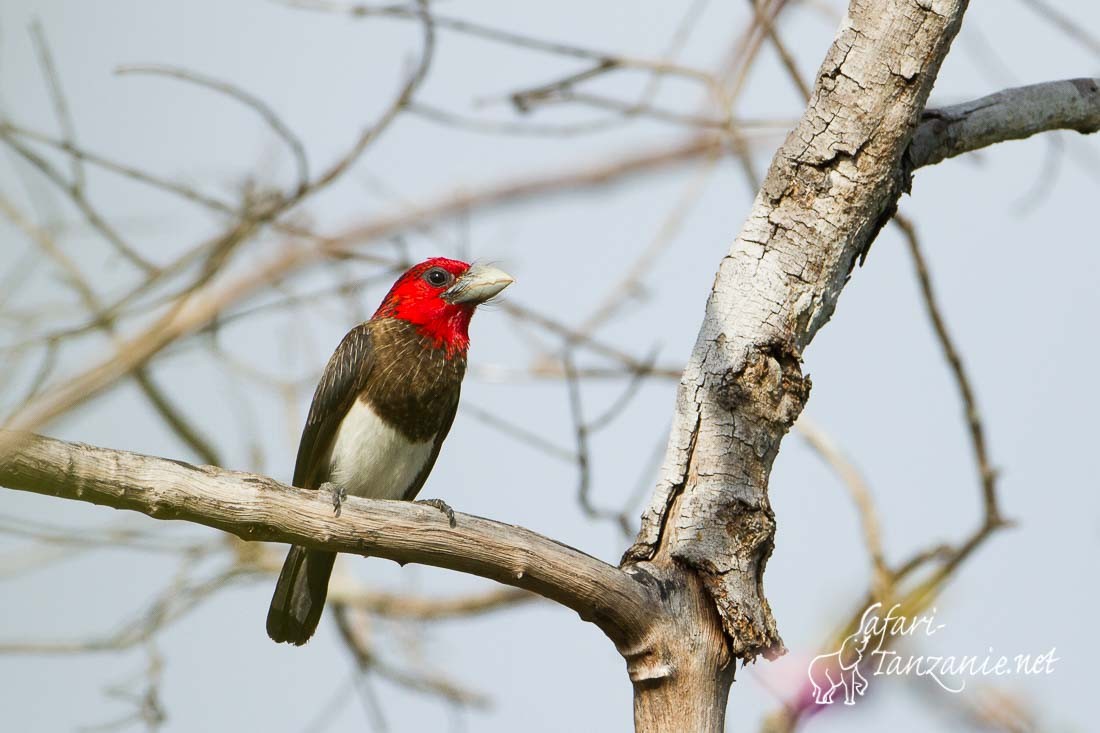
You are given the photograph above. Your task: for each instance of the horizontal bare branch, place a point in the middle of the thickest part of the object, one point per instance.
(257, 508)
(1011, 114)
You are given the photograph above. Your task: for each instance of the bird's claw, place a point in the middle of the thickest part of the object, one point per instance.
(339, 493)
(443, 507)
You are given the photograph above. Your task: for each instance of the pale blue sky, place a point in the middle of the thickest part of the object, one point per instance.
(1013, 248)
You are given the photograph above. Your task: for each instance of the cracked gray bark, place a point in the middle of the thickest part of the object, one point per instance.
(830, 189)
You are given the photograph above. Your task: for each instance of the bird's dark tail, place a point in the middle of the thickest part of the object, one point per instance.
(299, 595)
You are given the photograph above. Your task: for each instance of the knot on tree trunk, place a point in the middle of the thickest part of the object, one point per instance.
(714, 521)
(732, 571)
(769, 386)
(763, 396)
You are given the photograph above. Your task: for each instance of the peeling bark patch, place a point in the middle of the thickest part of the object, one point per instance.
(749, 530)
(903, 183)
(769, 386)
(642, 550)
(751, 633)
(734, 578)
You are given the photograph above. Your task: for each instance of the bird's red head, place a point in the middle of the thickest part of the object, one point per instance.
(439, 296)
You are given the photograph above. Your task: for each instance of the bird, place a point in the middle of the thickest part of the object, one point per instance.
(380, 413)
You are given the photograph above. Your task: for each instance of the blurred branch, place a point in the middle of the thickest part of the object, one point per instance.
(985, 709)
(179, 598)
(415, 608)
(147, 706)
(631, 285)
(175, 419)
(889, 585)
(126, 171)
(574, 337)
(171, 414)
(519, 40)
(205, 302)
(581, 428)
(853, 480)
(741, 61)
(57, 94)
(987, 476)
(1065, 24)
(358, 643)
(403, 99)
(518, 432)
(280, 128)
(352, 593)
(562, 89)
(75, 191)
(525, 100)
(765, 19)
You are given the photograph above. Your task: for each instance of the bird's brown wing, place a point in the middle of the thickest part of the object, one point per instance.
(342, 381)
(444, 428)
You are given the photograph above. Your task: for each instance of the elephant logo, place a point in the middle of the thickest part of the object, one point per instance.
(828, 672)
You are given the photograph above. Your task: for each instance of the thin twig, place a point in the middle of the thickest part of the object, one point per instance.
(359, 645)
(860, 492)
(280, 128)
(581, 430)
(631, 283)
(404, 97)
(57, 95)
(77, 197)
(414, 608)
(767, 22)
(497, 35)
(178, 599)
(81, 154)
(987, 475)
(616, 408)
(574, 337)
(1066, 25)
(518, 432)
(172, 415)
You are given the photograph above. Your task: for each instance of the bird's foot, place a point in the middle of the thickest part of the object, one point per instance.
(441, 506)
(339, 493)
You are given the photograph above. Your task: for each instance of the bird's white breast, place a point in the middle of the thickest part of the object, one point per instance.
(371, 459)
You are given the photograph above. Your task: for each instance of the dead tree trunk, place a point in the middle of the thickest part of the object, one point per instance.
(687, 601)
(709, 529)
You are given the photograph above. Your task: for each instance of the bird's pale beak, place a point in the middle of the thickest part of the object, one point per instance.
(477, 285)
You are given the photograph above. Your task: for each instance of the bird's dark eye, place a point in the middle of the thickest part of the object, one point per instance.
(438, 277)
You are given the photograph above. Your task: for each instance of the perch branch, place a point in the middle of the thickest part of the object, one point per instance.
(255, 507)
